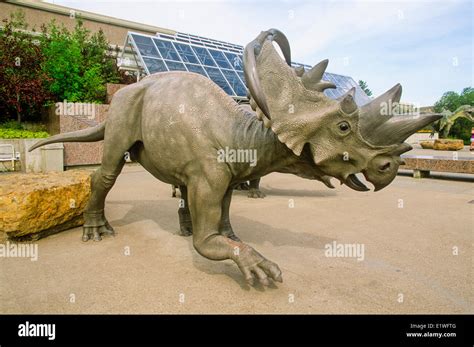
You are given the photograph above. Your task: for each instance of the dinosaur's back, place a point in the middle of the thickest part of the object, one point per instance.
(183, 119)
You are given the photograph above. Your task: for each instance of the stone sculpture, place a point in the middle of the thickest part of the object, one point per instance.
(303, 132)
(443, 126)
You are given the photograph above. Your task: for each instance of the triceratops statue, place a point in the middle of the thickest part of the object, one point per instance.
(297, 129)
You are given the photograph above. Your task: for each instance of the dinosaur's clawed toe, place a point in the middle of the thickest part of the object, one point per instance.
(186, 229)
(256, 267)
(96, 225)
(264, 272)
(255, 194)
(95, 233)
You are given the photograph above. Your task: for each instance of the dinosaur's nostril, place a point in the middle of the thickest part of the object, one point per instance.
(385, 166)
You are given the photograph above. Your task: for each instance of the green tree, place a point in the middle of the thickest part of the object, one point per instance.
(365, 87)
(63, 63)
(451, 101)
(79, 63)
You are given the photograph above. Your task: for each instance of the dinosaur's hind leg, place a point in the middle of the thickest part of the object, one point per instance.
(205, 194)
(225, 229)
(186, 224)
(95, 223)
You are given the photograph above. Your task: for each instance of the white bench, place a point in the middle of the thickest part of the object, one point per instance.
(8, 154)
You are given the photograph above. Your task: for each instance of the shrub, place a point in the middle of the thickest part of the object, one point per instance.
(55, 65)
(22, 79)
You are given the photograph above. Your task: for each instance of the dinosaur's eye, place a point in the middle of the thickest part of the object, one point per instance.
(344, 126)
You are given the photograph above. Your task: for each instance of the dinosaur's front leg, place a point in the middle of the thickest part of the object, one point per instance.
(205, 202)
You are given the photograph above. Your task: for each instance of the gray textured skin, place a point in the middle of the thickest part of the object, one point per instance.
(202, 119)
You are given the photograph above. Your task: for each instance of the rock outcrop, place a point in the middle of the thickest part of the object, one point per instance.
(36, 205)
(443, 144)
(448, 145)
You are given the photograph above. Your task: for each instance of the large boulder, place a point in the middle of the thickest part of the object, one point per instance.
(36, 205)
(448, 145)
(427, 144)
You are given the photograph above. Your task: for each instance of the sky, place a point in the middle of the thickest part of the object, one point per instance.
(425, 45)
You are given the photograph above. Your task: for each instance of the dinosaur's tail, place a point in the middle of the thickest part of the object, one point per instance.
(86, 135)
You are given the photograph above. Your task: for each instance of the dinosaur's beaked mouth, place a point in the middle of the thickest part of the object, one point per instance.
(353, 182)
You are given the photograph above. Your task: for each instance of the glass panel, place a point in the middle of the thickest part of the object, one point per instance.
(234, 82)
(196, 68)
(217, 77)
(145, 46)
(166, 49)
(235, 60)
(167, 36)
(155, 65)
(204, 56)
(242, 76)
(173, 66)
(186, 53)
(220, 59)
(182, 39)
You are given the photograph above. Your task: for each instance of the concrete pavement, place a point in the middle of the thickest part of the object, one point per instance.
(417, 237)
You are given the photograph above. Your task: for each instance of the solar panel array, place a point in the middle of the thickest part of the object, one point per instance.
(218, 60)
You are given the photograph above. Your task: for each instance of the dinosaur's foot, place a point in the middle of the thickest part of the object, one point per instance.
(185, 223)
(256, 267)
(255, 194)
(226, 230)
(95, 225)
(186, 228)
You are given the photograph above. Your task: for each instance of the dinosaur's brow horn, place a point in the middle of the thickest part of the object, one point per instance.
(252, 50)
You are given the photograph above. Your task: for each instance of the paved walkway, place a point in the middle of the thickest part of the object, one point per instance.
(408, 231)
(463, 153)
